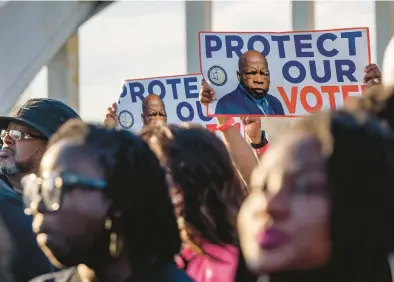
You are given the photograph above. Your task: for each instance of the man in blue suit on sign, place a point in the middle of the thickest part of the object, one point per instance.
(251, 96)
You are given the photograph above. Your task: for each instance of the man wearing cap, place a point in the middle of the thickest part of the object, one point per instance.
(24, 135)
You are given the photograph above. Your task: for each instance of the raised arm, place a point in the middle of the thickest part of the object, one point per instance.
(111, 119)
(241, 152)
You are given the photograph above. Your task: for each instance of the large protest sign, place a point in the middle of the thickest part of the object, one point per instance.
(306, 72)
(178, 93)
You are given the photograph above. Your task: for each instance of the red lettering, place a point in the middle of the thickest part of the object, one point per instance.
(346, 89)
(319, 100)
(331, 90)
(292, 103)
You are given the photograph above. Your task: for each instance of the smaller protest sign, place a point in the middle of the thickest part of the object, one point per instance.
(283, 73)
(180, 102)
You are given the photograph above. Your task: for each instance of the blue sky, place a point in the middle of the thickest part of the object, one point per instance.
(137, 39)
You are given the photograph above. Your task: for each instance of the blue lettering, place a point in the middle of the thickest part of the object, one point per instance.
(124, 91)
(263, 40)
(230, 48)
(158, 83)
(286, 73)
(320, 44)
(200, 112)
(300, 45)
(209, 47)
(280, 39)
(179, 108)
(189, 88)
(327, 71)
(173, 82)
(136, 90)
(351, 37)
(349, 72)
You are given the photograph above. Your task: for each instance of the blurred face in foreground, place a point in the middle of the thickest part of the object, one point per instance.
(284, 223)
(70, 212)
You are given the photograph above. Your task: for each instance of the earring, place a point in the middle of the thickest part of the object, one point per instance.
(115, 245)
(108, 224)
(115, 241)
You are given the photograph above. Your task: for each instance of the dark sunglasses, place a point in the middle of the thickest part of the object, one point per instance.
(50, 188)
(19, 135)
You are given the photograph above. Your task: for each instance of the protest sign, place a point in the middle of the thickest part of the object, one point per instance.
(308, 71)
(178, 93)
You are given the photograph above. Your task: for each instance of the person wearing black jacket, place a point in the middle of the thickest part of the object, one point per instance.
(24, 136)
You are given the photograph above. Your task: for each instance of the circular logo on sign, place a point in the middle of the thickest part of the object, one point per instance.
(126, 119)
(217, 75)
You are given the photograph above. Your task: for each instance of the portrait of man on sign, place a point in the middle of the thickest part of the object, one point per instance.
(153, 112)
(251, 95)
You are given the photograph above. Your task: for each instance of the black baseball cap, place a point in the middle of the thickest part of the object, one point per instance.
(42, 114)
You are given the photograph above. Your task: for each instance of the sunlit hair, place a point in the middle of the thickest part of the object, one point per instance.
(377, 101)
(201, 166)
(359, 166)
(136, 186)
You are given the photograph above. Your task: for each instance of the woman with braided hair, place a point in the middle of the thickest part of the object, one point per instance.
(101, 200)
(321, 206)
(206, 191)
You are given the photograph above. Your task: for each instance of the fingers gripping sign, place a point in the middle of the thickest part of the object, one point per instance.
(207, 94)
(372, 75)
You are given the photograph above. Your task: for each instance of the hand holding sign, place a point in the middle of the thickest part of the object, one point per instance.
(207, 94)
(372, 76)
(111, 119)
(172, 99)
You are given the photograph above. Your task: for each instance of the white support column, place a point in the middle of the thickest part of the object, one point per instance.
(198, 18)
(384, 24)
(63, 74)
(303, 15)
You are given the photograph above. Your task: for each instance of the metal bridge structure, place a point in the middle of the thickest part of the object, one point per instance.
(36, 34)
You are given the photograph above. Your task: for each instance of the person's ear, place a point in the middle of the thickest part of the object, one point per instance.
(238, 76)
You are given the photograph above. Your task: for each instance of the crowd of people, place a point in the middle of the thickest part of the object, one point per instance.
(87, 202)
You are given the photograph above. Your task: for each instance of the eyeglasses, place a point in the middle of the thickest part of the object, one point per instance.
(50, 188)
(18, 135)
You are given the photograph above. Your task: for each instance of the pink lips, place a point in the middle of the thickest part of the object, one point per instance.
(272, 238)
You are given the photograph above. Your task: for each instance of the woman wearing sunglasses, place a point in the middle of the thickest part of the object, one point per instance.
(101, 201)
